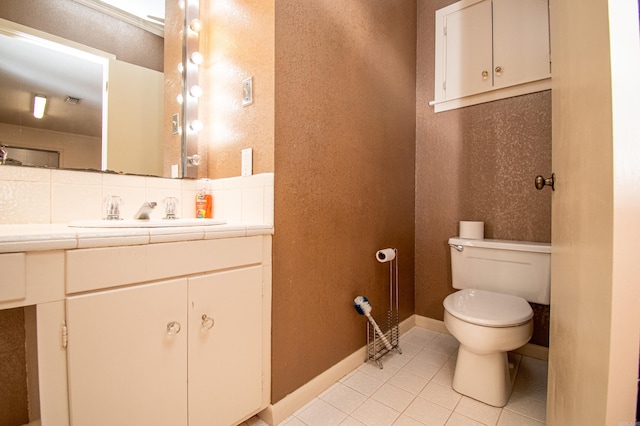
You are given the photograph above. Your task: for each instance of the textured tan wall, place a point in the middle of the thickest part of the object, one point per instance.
(344, 181)
(239, 43)
(475, 163)
(13, 374)
(79, 23)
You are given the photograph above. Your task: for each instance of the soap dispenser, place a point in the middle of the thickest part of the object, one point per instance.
(204, 200)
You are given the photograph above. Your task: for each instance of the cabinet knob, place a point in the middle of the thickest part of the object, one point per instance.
(207, 322)
(498, 70)
(173, 328)
(485, 74)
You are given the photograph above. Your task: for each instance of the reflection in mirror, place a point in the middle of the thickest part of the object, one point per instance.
(97, 140)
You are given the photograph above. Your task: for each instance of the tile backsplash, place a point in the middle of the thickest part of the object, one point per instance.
(33, 195)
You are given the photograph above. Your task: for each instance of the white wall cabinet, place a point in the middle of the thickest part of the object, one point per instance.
(490, 49)
(191, 350)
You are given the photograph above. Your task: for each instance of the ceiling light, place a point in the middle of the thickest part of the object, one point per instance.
(39, 102)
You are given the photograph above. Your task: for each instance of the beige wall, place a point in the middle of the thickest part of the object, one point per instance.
(76, 151)
(172, 143)
(475, 163)
(344, 176)
(239, 41)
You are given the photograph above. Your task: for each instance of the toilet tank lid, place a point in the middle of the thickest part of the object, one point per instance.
(503, 244)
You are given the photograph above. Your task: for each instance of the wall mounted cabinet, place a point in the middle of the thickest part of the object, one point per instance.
(490, 49)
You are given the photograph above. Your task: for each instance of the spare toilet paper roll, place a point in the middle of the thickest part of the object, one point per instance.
(472, 229)
(386, 255)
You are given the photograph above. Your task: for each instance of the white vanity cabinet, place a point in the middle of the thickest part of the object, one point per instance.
(225, 346)
(190, 349)
(490, 49)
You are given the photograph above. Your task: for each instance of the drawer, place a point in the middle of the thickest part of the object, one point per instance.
(99, 268)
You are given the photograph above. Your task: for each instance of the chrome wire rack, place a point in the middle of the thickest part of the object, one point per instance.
(376, 348)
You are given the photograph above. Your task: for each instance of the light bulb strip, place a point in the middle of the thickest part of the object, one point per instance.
(191, 89)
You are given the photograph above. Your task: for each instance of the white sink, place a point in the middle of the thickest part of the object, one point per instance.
(153, 223)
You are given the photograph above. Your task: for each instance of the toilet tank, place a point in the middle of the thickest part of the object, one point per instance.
(519, 268)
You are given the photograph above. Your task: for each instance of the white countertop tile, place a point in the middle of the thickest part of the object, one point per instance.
(36, 237)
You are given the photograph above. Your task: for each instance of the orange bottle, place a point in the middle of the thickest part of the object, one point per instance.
(204, 200)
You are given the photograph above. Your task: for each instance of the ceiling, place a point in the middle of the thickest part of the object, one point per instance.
(141, 8)
(28, 69)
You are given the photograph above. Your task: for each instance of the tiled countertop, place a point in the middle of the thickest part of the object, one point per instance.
(34, 237)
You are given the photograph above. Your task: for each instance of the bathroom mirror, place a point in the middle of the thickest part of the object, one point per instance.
(75, 124)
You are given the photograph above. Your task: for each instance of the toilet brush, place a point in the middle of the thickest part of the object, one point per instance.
(363, 307)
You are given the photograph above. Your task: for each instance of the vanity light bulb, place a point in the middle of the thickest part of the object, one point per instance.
(180, 67)
(195, 91)
(197, 58)
(196, 25)
(196, 125)
(179, 99)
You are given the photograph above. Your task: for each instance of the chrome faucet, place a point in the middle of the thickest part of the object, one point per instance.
(3, 154)
(145, 211)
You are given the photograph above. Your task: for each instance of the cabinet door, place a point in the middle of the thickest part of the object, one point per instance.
(125, 366)
(520, 41)
(225, 346)
(467, 51)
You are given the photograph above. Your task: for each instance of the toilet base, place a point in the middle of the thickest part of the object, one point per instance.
(486, 378)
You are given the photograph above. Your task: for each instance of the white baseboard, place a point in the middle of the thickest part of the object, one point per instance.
(281, 410)
(278, 412)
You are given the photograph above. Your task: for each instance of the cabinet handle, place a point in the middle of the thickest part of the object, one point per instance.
(207, 322)
(485, 74)
(173, 328)
(498, 70)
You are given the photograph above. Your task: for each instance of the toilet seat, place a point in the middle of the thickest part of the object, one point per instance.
(487, 308)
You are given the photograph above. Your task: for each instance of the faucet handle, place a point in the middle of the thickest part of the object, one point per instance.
(170, 207)
(111, 207)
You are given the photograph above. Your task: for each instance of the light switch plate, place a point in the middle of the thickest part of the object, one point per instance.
(247, 162)
(247, 91)
(175, 124)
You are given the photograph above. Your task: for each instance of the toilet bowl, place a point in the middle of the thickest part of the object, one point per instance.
(490, 314)
(487, 325)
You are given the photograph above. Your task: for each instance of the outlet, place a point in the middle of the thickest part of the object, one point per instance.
(247, 162)
(247, 91)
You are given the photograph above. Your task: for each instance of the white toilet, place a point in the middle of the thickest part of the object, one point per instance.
(490, 314)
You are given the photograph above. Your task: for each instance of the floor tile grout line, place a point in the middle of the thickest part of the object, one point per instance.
(414, 396)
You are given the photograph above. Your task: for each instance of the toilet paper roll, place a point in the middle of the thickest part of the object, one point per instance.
(472, 229)
(385, 255)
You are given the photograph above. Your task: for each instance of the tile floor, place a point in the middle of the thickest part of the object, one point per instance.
(414, 389)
